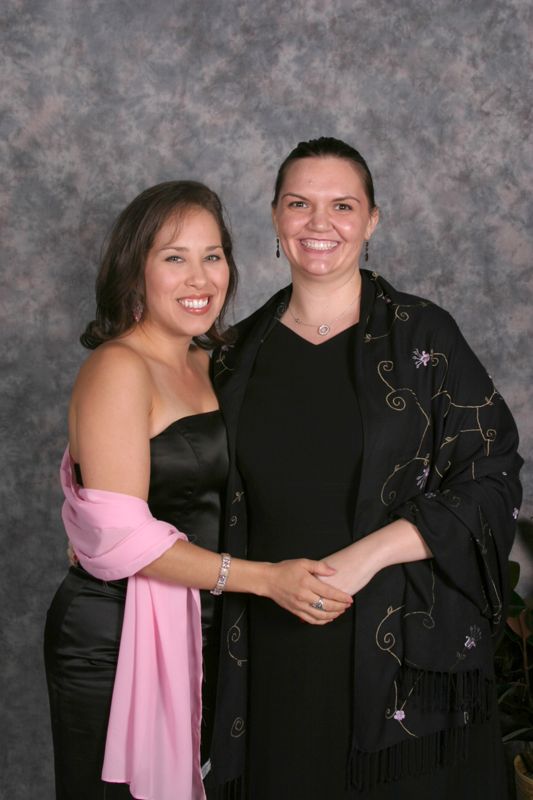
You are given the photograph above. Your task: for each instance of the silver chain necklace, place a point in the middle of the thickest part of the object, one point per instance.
(324, 328)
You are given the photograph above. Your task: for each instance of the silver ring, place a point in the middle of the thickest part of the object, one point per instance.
(319, 604)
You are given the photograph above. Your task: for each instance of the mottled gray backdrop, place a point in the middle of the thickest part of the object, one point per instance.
(102, 98)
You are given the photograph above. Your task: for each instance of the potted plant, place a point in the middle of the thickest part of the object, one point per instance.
(514, 664)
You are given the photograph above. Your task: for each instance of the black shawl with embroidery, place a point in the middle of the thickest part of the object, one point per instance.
(439, 450)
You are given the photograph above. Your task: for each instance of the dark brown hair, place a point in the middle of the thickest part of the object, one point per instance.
(120, 280)
(327, 146)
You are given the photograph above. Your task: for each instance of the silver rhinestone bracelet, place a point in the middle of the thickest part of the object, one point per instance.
(223, 574)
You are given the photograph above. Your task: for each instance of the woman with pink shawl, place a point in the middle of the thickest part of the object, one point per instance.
(143, 476)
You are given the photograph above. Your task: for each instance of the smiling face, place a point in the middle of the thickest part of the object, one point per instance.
(323, 217)
(186, 275)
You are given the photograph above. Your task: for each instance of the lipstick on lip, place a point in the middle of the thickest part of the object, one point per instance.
(319, 245)
(195, 305)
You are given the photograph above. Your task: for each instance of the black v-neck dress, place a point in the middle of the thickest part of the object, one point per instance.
(299, 446)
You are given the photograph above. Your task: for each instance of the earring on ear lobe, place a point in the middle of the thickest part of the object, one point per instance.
(366, 250)
(137, 311)
(277, 246)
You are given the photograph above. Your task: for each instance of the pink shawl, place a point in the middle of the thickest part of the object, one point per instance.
(153, 735)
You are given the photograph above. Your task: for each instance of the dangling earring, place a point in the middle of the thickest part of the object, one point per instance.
(137, 311)
(366, 250)
(277, 247)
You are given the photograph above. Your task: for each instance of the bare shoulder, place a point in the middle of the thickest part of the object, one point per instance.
(113, 388)
(113, 365)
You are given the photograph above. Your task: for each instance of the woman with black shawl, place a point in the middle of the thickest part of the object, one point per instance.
(362, 431)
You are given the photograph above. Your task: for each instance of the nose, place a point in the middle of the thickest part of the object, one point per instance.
(319, 220)
(196, 276)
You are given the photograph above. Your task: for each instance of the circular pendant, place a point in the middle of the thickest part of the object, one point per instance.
(323, 330)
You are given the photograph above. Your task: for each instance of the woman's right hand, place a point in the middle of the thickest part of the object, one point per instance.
(294, 586)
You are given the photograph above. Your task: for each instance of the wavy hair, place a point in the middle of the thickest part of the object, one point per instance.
(120, 280)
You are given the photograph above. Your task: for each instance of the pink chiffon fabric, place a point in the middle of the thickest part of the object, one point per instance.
(153, 735)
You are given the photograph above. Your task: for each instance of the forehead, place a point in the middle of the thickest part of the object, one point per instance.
(188, 223)
(324, 173)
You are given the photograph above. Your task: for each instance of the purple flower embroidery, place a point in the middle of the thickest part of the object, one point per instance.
(472, 640)
(421, 359)
(516, 512)
(399, 715)
(422, 478)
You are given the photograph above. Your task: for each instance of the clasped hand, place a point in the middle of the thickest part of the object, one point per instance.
(295, 585)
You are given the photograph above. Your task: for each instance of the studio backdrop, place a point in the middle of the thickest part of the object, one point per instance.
(103, 99)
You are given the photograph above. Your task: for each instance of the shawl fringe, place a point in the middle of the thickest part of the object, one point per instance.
(466, 695)
(409, 758)
(468, 692)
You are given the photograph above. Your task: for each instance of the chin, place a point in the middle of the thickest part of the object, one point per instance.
(316, 268)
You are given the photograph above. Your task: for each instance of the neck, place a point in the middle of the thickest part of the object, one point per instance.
(159, 346)
(321, 302)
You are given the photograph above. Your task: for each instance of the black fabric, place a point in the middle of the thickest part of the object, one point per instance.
(301, 503)
(188, 469)
(439, 448)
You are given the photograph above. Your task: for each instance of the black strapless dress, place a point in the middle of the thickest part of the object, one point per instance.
(188, 473)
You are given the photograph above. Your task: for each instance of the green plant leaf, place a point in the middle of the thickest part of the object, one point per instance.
(529, 621)
(516, 605)
(515, 734)
(514, 573)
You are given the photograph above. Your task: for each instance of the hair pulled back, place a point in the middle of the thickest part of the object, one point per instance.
(327, 146)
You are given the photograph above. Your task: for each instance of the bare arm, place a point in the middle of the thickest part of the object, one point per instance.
(293, 584)
(109, 421)
(396, 543)
(109, 437)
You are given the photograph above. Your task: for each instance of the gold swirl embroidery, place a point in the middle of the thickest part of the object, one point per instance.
(398, 713)
(396, 402)
(488, 436)
(399, 316)
(233, 636)
(452, 499)
(220, 361)
(486, 533)
(238, 727)
(391, 496)
(388, 639)
(386, 642)
(396, 399)
(427, 621)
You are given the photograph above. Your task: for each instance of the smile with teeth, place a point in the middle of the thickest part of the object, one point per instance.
(319, 244)
(194, 303)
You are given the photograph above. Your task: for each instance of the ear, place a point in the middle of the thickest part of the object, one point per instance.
(372, 223)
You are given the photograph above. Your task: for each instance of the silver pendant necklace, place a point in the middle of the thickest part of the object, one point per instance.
(324, 328)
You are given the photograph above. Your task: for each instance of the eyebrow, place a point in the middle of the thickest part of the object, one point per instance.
(335, 199)
(186, 249)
